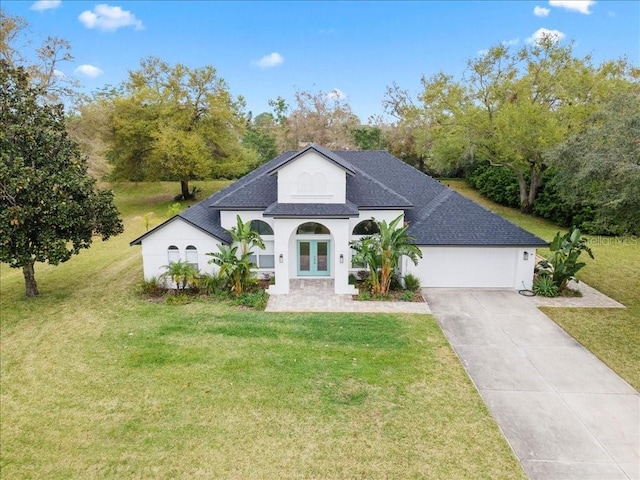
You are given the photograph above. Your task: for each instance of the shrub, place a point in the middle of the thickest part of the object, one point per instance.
(411, 282)
(256, 300)
(178, 299)
(407, 296)
(352, 279)
(365, 296)
(545, 287)
(495, 183)
(212, 284)
(151, 288)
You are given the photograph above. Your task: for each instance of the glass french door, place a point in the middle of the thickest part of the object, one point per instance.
(313, 258)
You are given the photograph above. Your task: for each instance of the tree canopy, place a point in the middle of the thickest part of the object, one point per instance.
(511, 108)
(318, 117)
(176, 123)
(46, 73)
(49, 207)
(600, 167)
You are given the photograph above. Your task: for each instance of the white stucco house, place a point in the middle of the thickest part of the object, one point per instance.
(309, 204)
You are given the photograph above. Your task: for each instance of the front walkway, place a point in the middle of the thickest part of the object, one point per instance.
(565, 414)
(316, 295)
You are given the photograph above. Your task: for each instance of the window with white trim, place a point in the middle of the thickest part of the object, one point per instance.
(173, 254)
(263, 258)
(192, 256)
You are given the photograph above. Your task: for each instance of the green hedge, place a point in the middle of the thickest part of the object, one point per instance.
(501, 185)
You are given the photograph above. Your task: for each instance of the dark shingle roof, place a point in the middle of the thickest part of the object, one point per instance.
(325, 210)
(440, 215)
(436, 214)
(201, 217)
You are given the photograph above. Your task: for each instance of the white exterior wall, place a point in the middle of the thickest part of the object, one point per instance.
(312, 179)
(181, 234)
(482, 267)
(285, 244)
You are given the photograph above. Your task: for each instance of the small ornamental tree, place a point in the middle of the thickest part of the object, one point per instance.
(49, 207)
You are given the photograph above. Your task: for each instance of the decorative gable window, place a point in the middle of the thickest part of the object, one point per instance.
(192, 256)
(173, 254)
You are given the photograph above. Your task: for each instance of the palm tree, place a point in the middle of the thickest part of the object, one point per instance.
(394, 243)
(381, 252)
(181, 273)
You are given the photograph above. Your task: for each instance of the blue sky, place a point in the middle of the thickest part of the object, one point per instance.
(269, 49)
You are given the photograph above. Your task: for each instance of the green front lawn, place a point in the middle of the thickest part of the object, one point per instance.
(100, 383)
(611, 334)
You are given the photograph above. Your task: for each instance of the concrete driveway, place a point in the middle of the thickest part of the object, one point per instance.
(564, 412)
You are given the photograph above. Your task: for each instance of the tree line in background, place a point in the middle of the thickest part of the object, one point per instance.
(536, 128)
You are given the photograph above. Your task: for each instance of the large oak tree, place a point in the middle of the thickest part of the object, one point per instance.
(176, 123)
(49, 207)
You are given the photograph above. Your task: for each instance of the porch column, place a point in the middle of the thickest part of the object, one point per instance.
(341, 235)
(281, 257)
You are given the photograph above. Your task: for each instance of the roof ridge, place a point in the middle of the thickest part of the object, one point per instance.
(435, 203)
(382, 185)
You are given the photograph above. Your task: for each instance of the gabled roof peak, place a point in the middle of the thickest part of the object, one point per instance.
(328, 154)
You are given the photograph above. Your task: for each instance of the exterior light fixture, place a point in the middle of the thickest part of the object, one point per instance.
(341, 258)
(281, 258)
(525, 256)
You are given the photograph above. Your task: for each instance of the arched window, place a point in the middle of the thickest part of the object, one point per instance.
(192, 256)
(312, 228)
(173, 253)
(263, 228)
(366, 227)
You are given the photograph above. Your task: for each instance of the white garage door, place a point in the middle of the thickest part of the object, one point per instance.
(466, 267)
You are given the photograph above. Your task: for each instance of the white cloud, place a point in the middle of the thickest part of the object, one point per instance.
(59, 73)
(336, 94)
(541, 11)
(109, 18)
(511, 43)
(581, 6)
(539, 34)
(483, 52)
(42, 5)
(272, 60)
(90, 71)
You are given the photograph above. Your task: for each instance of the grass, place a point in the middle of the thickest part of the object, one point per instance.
(100, 383)
(611, 334)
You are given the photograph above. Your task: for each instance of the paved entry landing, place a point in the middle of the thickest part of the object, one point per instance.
(564, 412)
(316, 295)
